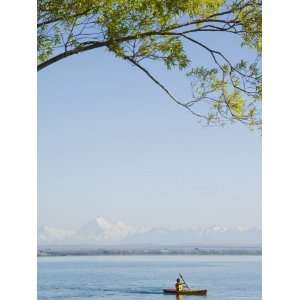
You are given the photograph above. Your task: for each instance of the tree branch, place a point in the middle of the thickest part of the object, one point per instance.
(65, 54)
(98, 44)
(185, 105)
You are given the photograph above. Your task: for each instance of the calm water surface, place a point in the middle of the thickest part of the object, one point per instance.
(144, 277)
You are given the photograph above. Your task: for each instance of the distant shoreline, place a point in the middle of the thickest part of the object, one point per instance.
(159, 251)
(118, 255)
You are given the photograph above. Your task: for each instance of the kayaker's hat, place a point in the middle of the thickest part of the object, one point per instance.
(178, 280)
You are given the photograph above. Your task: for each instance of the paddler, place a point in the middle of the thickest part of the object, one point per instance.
(179, 285)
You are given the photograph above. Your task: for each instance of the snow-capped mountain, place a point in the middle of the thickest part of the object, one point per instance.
(101, 231)
(207, 236)
(49, 235)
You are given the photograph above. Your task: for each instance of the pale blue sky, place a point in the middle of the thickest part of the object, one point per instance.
(112, 143)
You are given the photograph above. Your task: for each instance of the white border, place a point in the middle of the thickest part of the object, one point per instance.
(18, 150)
(281, 151)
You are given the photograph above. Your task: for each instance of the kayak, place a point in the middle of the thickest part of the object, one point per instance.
(186, 292)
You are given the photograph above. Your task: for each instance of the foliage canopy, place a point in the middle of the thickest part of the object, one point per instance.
(155, 30)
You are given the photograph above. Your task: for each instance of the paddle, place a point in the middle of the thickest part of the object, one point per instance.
(183, 281)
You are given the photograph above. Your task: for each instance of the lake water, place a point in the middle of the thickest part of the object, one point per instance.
(144, 277)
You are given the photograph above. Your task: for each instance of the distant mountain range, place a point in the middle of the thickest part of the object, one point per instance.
(101, 232)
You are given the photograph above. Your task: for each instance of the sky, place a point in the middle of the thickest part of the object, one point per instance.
(112, 144)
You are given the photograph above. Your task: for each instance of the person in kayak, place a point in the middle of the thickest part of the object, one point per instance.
(179, 285)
